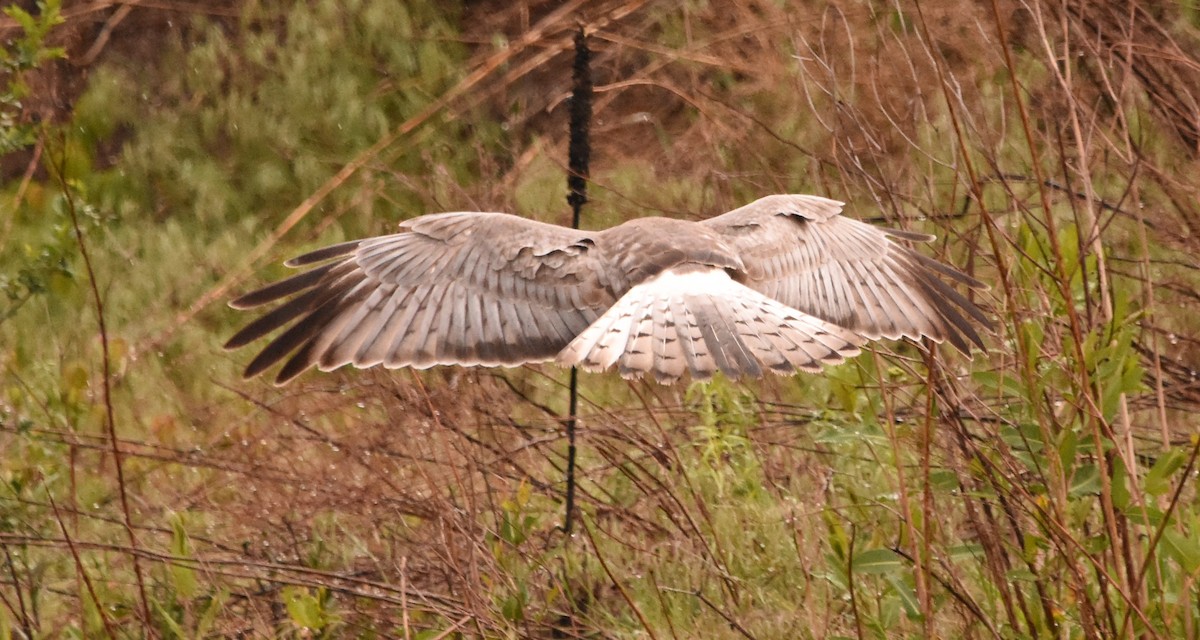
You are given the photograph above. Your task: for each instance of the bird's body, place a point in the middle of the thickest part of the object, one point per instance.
(784, 283)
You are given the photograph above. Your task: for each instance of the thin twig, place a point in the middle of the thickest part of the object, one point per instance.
(109, 413)
(1158, 532)
(81, 570)
(587, 531)
(699, 595)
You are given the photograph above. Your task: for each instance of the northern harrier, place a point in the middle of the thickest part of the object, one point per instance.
(781, 284)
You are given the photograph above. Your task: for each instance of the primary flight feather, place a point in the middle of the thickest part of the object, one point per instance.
(784, 283)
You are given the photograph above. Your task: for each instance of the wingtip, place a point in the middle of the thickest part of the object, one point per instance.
(911, 236)
(975, 283)
(240, 303)
(252, 371)
(325, 253)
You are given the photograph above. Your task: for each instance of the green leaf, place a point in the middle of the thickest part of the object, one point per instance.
(303, 608)
(1086, 481)
(209, 616)
(93, 624)
(839, 541)
(22, 17)
(1068, 248)
(908, 597)
(182, 577)
(835, 575)
(1120, 484)
(971, 551)
(1020, 575)
(889, 612)
(944, 480)
(1183, 549)
(877, 562)
(1158, 479)
(513, 607)
(1068, 444)
(172, 624)
(1001, 383)
(75, 378)
(1147, 515)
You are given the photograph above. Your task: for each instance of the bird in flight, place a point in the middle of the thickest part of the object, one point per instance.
(782, 284)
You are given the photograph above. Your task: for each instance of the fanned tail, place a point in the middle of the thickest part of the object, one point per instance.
(700, 321)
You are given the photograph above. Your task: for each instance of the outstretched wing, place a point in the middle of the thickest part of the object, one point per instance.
(800, 251)
(455, 288)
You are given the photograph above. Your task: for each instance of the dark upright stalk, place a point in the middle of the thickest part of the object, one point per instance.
(578, 154)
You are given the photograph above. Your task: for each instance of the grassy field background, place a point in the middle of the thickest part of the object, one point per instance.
(158, 158)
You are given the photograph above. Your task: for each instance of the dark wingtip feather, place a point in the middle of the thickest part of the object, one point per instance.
(273, 353)
(281, 289)
(296, 365)
(238, 340)
(297, 336)
(950, 272)
(950, 306)
(260, 363)
(961, 302)
(911, 236)
(277, 318)
(245, 301)
(326, 253)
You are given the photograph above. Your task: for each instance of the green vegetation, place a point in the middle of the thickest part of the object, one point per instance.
(1044, 489)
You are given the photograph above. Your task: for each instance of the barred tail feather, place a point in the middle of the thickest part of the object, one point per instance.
(699, 321)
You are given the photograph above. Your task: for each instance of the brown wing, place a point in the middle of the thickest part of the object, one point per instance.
(800, 251)
(455, 288)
